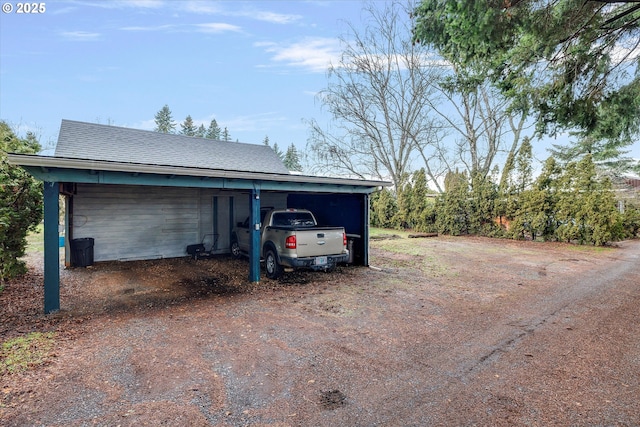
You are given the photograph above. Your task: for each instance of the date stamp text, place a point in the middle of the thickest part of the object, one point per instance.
(24, 8)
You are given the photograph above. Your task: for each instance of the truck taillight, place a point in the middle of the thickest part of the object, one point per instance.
(344, 239)
(290, 242)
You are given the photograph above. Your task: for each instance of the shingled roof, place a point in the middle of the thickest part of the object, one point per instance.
(92, 141)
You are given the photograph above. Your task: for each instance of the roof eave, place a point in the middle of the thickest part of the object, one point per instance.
(46, 162)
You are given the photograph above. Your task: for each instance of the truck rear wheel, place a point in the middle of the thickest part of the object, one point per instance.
(274, 270)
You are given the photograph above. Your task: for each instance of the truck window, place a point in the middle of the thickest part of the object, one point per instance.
(245, 224)
(293, 219)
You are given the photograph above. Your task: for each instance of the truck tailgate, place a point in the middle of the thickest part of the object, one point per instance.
(318, 242)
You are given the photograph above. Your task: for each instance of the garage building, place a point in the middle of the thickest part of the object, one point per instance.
(138, 194)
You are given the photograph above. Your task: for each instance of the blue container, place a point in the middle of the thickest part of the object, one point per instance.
(61, 241)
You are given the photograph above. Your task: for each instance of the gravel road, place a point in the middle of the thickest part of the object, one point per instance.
(444, 331)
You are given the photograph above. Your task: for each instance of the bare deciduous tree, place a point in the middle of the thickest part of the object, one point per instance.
(481, 122)
(378, 97)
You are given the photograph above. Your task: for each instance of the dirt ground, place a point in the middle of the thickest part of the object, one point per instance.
(443, 331)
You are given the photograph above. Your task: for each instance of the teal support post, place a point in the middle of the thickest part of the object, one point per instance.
(214, 241)
(51, 249)
(254, 247)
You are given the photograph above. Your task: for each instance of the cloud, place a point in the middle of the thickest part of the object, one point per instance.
(144, 125)
(217, 27)
(200, 7)
(274, 18)
(210, 28)
(150, 28)
(124, 4)
(81, 36)
(147, 4)
(254, 122)
(313, 54)
(209, 8)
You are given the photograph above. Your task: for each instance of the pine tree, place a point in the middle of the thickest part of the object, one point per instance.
(521, 206)
(278, 151)
(482, 205)
(422, 212)
(598, 212)
(384, 208)
(544, 195)
(405, 204)
(452, 207)
(586, 208)
(225, 135)
(164, 121)
(524, 167)
(201, 132)
(291, 159)
(213, 132)
(188, 127)
(266, 140)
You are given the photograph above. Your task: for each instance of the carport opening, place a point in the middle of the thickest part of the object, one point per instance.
(346, 210)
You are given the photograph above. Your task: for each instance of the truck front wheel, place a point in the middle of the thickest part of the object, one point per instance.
(235, 249)
(274, 270)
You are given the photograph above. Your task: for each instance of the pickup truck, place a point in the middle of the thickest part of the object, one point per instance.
(291, 239)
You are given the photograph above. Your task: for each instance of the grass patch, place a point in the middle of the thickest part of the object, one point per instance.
(35, 240)
(26, 352)
(422, 256)
(395, 241)
(589, 248)
(375, 232)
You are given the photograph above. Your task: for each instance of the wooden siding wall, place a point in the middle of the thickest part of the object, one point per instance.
(130, 222)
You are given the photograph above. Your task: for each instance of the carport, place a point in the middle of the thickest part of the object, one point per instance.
(133, 187)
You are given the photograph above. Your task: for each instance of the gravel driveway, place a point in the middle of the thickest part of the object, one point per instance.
(443, 331)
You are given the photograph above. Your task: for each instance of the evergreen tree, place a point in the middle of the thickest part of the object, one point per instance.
(558, 59)
(225, 135)
(278, 151)
(422, 215)
(482, 205)
(383, 209)
(188, 127)
(452, 207)
(201, 132)
(586, 207)
(521, 203)
(20, 203)
(544, 196)
(291, 159)
(164, 121)
(213, 132)
(405, 205)
(631, 220)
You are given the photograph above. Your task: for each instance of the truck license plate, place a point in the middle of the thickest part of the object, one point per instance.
(321, 260)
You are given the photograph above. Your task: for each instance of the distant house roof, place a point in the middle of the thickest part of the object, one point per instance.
(91, 141)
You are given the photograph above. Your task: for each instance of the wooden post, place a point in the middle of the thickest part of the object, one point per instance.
(254, 246)
(51, 248)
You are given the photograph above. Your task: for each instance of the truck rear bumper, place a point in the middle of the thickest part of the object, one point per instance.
(310, 262)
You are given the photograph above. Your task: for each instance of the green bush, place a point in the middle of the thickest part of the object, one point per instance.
(383, 209)
(20, 203)
(630, 221)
